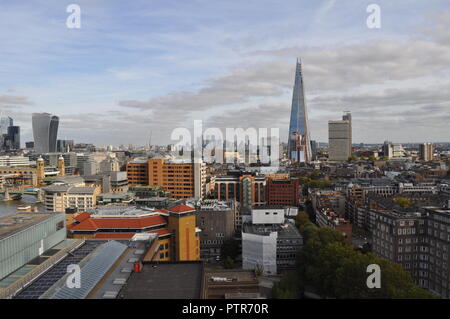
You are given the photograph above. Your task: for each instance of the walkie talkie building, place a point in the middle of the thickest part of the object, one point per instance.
(45, 132)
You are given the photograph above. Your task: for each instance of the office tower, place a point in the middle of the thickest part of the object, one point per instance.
(5, 122)
(299, 148)
(340, 139)
(12, 139)
(313, 150)
(64, 146)
(348, 117)
(45, 131)
(388, 149)
(426, 151)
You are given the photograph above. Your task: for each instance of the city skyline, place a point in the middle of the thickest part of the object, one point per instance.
(99, 77)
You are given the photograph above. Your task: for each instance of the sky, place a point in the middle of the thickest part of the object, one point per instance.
(142, 68)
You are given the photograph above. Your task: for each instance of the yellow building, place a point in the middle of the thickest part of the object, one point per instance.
(185, 234)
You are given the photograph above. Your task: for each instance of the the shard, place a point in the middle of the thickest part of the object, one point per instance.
(299, 142)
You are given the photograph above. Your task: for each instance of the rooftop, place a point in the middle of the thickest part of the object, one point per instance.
(165, 280)
(283, 230)
(14, 223)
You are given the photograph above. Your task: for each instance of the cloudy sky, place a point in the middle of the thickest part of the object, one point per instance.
(142, 66)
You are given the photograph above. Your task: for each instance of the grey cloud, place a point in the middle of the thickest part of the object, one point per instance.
(15, 100)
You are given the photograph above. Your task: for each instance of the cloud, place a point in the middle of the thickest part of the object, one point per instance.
(15, 100)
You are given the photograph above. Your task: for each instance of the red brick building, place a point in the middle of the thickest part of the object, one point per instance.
(284, 192)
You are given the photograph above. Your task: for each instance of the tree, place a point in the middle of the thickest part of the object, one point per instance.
(286, 288)
(228, 263)
(403, 202)
(327, 266)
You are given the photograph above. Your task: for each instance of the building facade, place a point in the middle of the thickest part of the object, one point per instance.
(181, 179)
(340, 139)
(45, 132)
(299, 145)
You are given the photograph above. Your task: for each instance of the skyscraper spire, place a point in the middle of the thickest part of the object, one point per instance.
(299, 145)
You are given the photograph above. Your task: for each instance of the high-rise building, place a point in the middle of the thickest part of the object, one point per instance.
(299, 147)
(45, 131)
(5, 122)
(64, 145)
(12, 140)
(340, 139)
(388, 149)
(426, 151)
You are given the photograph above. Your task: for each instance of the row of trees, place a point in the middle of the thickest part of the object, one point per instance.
(332, 269)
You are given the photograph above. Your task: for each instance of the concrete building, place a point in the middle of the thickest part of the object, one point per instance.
(109, 165)
(63, 198)
(426, 152)
(269, 243)
(217, 221)
(340, 139)
(388, 150)
(14, 161)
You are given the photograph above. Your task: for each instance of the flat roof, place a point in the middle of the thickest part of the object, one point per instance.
(165, 280)
(284, 231)
(14, 223)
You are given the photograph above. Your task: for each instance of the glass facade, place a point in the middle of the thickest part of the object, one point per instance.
(45, 131)
(299, 147)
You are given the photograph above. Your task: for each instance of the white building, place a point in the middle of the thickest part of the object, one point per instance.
(269, 243)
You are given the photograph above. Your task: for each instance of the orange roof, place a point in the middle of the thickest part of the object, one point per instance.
(114, 235)
(182, 209)
(82, 216)
(119, 223)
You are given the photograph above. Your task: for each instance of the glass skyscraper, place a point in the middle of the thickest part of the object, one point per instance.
(299, 145)
(5, 122)
(45, 131)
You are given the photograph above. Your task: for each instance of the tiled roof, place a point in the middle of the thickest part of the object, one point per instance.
(82, 216)
(119, 223)
(182, 209)
(114, 235)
